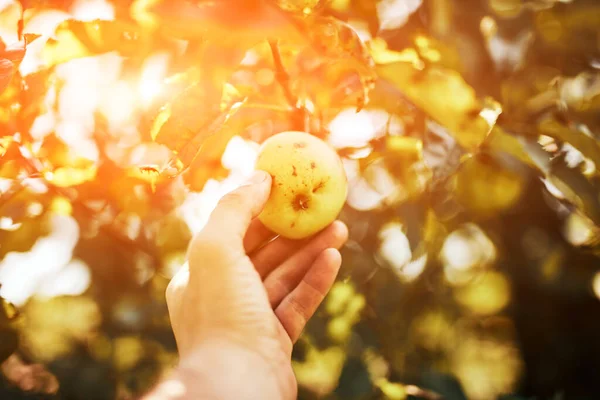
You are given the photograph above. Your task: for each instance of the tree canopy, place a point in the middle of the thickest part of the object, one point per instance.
(469, 132)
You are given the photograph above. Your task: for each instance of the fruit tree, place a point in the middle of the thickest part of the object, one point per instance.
(468, 132)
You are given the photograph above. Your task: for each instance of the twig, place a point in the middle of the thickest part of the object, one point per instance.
(282, 76)
(301, 118)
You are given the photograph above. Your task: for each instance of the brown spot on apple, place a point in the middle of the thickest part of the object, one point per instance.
(299, 145)
(294, 172)
(313, 165)
(300, 202)
(318, 186)
(293, 224)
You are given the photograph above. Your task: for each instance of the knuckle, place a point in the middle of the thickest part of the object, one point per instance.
(300, 309)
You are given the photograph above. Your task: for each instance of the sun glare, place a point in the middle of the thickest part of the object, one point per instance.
(151, 78)
(89, 10)
(47, 269)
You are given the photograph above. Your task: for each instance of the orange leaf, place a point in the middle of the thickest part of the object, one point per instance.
(75, 39)
(6, 73)
(229, 22)
(193, 116)
(336, 58)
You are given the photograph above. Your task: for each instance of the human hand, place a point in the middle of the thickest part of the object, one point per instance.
(247, 298)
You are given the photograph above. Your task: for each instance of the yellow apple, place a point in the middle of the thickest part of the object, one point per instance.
(309, 185)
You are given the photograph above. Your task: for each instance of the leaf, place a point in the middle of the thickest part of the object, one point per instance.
(191, 118)
(582, 141)
(30, 37)
(576, 188)
(253, 121)
(576, 23)
(14, 52)
(441, 152)
(52, 4)
(578, 98)
(71, 176)
(445, 96)
(382, 55)
(32, 91)
(301, 6)
(336, 69)
(62, 166)
(404, 159)
(227, 22)
(392, 173)
(487, 186)
(500, 141)
(13, 162)
(76, 39)
(6, 73)
(8, 311)
(580, 92)
(10, 59)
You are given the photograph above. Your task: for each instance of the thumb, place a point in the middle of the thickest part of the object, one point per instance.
(234, 212)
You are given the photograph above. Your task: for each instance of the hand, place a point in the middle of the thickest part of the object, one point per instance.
(246, 297)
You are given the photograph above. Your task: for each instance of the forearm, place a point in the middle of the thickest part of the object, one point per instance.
(221, 371)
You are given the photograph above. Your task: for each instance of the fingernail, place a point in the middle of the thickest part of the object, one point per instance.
(258, 177)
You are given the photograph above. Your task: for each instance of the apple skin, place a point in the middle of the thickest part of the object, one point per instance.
(309, 185)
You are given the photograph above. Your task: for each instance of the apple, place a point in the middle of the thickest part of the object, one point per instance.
(309, 184)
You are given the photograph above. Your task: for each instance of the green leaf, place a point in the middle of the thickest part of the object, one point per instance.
(576, 188)
(579, 139)
(445, 96)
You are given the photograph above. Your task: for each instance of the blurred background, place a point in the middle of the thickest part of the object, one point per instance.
(469, 132)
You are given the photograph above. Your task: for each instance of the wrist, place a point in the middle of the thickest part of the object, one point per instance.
(228, 370)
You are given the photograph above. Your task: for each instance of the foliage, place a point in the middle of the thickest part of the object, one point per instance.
(469, 130)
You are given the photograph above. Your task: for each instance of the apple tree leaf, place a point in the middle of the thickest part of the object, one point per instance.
(6, 73)
(582, 141)
(194, 115)
(74, 39)
(336, 57)
(575, 187)
(228, 22)
(445, 96)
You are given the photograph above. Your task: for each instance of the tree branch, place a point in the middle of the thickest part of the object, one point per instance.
(282, 76)
(301, 119)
